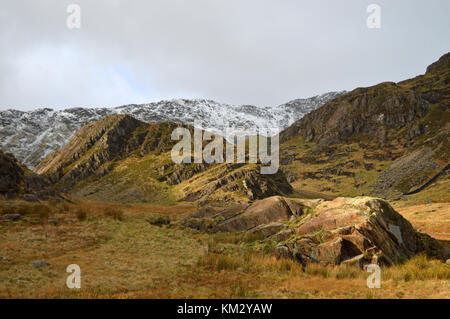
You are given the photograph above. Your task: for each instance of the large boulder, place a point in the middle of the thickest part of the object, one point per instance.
(245, 217)
(272, 209)
(351, 231)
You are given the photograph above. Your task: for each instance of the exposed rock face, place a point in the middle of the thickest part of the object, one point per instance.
(12, 174)
(410, 170)
(245, 179)
(407, 123)
(181, 173)
(100, 142)
(344, 230)
(18, 181)
(266, 211)
(371, 111)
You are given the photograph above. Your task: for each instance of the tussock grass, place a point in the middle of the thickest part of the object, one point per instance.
(158, 219)
(419, 268)
(116, 214)
(233, 238)
(81, 214)
(336, 272)
(250, 263)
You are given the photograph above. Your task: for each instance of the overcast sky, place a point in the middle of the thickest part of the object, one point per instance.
(261, 52)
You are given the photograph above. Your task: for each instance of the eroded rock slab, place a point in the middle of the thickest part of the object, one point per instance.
(351, 231)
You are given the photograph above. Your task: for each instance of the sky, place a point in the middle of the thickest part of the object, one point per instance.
(259, 52)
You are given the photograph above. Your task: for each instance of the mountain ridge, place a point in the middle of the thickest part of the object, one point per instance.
(32, 135)
(120, 158)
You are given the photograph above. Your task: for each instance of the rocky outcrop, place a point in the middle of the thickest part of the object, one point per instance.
(244, 179)
(17, 181)
(371, 111)
(342, 231)
(184, 172)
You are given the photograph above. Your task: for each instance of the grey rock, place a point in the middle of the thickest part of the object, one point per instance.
(359, 261)
(40, 263)
(30, 197)
(267, 230)
(12, 217)
(282, 235)
(282, 251)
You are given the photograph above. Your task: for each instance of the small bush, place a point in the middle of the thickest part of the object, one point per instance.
(114, 213)
(239, 290)
(220, 262)
(81, 214)
(228, 238)
(64, 207)
(346, 272)
(42, 210)
(318, 270)
(204, 224)
(251, 237)
(158, 219)
(7, 210)
(23, 210)
(43, 214)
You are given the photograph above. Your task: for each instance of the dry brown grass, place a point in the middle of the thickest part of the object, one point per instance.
(262, 276)
(114, 213)
(433, 218)
(419, 268)
(158, 219)
(126, 257)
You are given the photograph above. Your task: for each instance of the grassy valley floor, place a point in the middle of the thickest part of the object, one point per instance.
(127, 251)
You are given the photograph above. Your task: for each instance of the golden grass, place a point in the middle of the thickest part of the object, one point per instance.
(433, 218)
(127, 257)
(418, 268)
(115, 255)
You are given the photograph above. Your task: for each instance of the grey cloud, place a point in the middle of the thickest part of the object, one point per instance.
(262, 52)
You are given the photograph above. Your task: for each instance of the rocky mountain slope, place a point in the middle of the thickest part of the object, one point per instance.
(119, 158)
(32, 135)
(389, 139)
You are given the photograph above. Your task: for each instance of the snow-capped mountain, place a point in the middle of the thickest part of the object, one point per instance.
(32, 135)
